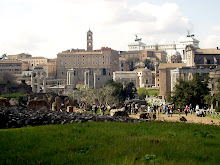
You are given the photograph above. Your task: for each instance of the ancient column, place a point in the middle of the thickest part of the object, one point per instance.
(94, 80)
(38, 82)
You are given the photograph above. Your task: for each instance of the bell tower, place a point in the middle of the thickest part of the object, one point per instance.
(89, 41)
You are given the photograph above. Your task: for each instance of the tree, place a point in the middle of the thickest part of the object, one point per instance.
(216, 97)
(106, 95)
(142, 92)
(131, 61)
(8, 78)
(118, 92)
(129, 91)
(190, 92)
(149, 64)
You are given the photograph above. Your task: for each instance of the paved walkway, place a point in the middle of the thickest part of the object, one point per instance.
(190, 118)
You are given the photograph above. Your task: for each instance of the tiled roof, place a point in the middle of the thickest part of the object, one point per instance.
(207, 51)
(171, 65)
(36, 58)
(10, 61)
(80, 53)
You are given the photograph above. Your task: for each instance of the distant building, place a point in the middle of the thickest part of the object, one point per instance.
(52, 68)
(29, 63)
(91, 67)
(19, 56)
(213, 84)
(165, 76)
(35, 61)
(142, 55)
(200, 61)
(11, 66)
(140, 77)
(202, 57)
(170, 49)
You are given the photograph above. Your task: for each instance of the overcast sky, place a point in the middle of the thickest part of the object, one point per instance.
(47, 27)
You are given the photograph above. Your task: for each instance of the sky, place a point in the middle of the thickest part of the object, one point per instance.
(48, 27)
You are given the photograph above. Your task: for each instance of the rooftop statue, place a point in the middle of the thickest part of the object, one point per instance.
(137, 39)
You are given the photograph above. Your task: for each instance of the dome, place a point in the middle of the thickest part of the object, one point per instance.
(176, 53)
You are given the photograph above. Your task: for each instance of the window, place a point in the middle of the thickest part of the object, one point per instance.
(103, 71)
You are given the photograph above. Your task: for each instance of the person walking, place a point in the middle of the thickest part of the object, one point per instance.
(179, 111)
(191, 108)
(171, 111)
(186, 109)
(164, 108)
(197, 107)
(168, 111)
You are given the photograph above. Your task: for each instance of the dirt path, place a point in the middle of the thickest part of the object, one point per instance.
(190, 118)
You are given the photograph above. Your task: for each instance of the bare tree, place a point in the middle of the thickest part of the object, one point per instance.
(8, 78)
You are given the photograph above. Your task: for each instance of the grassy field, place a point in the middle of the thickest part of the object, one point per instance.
(108, 143)
(153, 92)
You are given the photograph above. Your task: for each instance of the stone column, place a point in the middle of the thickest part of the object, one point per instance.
(88, 78)
(32, 82)
(67, 78)
(38, 82)
(85, 83)
(94, 80)
(44, 82)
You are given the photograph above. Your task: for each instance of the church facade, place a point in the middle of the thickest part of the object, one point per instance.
(89, 67)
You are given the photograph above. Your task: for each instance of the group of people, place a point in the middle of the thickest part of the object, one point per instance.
(168, 110)
(189, 109)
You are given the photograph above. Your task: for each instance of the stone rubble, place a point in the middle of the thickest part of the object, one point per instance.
(16, 117)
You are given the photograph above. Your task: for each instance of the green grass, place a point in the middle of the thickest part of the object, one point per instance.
(107, 143)
(13, 95)
(153, 92)
(216, 117)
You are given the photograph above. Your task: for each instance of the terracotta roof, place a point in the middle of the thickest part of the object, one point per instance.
(36, 58)
(10, 61)
(80, 53)
(171, 65)
(207, 51)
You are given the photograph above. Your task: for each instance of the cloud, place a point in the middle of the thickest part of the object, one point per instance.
(211, 41)
(47, 27)
(216, 28)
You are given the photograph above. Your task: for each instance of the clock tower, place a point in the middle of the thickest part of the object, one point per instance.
(89, 41)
